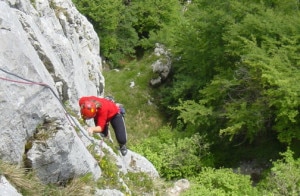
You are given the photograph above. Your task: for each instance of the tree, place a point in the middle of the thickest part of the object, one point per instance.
(112, 22)
(150, 17)
(245, 64)
(125, 27)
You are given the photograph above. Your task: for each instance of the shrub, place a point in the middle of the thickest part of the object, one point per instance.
(284, 176)
(175, 157)
(221, 182)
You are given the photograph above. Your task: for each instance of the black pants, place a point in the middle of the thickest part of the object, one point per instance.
(118, 124)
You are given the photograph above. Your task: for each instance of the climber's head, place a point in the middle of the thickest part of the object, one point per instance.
(88, 110)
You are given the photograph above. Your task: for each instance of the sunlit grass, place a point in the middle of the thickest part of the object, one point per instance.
(142, 116)
(17, 176)
(27, 183)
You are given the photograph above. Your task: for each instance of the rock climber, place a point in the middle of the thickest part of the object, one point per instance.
(104, 111)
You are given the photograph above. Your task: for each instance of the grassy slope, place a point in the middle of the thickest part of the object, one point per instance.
(142, 119)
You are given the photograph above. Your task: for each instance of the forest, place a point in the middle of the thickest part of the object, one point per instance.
(232, 95)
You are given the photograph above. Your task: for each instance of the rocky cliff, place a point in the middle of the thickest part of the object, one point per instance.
(49, 57)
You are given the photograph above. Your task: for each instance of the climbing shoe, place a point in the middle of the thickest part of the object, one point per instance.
(123, 150)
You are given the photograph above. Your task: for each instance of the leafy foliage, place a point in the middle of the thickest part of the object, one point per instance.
(112, 22)
(284, 177)
(125, 27)
(221, 182)
(175, 157)
(245, 63)
(151, 17)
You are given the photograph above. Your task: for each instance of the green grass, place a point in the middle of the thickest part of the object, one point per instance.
(142, 119)
(27, 183)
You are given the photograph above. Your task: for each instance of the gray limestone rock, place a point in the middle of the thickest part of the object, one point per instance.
(49, 57)
(6, 188)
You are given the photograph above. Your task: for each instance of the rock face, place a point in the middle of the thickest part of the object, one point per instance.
(49, 57)
(52, 44)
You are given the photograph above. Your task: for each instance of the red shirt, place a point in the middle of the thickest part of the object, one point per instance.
(105, 113)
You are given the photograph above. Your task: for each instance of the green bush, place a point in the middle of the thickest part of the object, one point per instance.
(284, 177)
(221, 182)
(174, 156)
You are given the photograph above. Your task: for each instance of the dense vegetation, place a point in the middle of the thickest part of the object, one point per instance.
(128, 28)
(233, 93)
